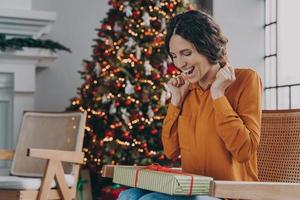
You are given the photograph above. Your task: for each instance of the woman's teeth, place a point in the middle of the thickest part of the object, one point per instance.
(189, 70)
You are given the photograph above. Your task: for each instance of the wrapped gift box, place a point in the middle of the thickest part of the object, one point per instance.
(162, 179)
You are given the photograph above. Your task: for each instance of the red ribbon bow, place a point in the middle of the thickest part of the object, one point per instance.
(160, 168)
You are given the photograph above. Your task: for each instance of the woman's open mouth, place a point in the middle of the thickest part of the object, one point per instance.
(189, 71)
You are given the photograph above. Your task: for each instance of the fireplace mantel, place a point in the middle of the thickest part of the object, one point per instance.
(26, 23)
(37, 56)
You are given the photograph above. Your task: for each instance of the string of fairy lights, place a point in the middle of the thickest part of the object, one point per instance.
(138, 28)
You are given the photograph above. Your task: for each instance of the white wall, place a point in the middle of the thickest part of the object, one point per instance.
(74, 28)
(242, 22)
(16, 4)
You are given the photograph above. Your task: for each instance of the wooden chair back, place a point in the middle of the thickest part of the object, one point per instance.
(46, 130)
(279, 148)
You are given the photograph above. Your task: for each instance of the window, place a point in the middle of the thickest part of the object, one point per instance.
(282, 68)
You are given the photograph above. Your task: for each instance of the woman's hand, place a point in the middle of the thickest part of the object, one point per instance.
(225, 76)
(178, 87)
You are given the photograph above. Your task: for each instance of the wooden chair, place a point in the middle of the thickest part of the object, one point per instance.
(278, 162)
(45, 141)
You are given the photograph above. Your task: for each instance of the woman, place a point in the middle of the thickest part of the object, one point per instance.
(213, 119)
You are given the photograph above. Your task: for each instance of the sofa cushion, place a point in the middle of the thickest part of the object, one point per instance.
(24, 183)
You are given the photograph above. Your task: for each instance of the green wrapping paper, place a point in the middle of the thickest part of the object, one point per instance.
(173, 182)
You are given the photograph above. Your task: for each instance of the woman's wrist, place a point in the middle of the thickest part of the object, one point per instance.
(176, 103)
(216, 94)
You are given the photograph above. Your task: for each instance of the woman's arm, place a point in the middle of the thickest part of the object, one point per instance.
(170, 133)
(240, 130)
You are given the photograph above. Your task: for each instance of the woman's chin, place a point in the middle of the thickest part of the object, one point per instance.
(193, 80)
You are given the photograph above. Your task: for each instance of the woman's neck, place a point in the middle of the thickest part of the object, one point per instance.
(209, 77)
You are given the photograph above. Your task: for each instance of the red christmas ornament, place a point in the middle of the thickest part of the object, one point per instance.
(118, 84)
(109, 133)
(170, 6)
(155, 76)
(112, 152)
(137, 88)
(141, 127)
(158, 41)
(101, 143)
(154, 131)
(156, 24)
(128, 102)
(144, 145)
(161, 157)
(113, 3)
(101, 34)
(104, 26)
(155, 109)
(117, 103)
(134, 116)
(136, 13)
(107, 53)
(149, 51)
(101, 46)
(138, 75)
(126, 135)
(89, 66)
(171, 69)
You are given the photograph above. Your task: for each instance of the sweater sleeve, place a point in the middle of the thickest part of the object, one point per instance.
(240, 130)
(170, 133)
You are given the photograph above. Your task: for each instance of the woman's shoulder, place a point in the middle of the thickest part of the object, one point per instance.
(247, 80)
(246, 73)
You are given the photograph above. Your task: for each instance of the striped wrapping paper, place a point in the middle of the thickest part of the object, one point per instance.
(164, 182)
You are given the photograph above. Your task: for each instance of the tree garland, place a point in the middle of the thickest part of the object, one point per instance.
(20, 43)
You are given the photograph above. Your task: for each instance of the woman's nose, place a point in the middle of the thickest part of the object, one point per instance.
(180, 63)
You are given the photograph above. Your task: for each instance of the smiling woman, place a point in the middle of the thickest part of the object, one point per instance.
(214, 117)
(194, 65)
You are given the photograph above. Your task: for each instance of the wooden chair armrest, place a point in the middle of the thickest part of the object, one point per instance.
(6, 154)
(256, 190)
(65, 156)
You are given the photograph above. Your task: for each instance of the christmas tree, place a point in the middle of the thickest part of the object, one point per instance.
(124, 89)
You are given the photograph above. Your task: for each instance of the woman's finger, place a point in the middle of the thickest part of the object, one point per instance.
(225, 74)
(182, 81)
(227, 70)
(232, 71)
(174, 82)
(178, 81)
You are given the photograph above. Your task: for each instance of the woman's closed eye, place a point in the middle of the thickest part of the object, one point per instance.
(187, 53)
(184, 53)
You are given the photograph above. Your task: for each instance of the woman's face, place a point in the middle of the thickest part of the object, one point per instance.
(187, 59)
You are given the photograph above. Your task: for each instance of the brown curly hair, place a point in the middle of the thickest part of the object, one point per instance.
(202, 31)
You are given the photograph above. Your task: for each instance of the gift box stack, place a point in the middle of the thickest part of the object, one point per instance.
(162, 179)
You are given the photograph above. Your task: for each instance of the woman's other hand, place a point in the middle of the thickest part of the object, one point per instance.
(178, 87)
(224, 77)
